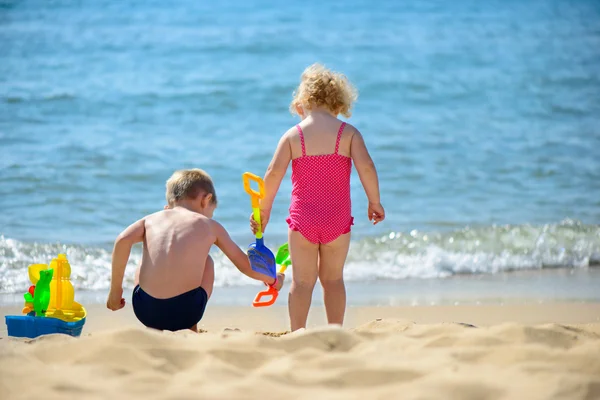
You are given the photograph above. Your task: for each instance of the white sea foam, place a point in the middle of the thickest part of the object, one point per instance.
(398, 255)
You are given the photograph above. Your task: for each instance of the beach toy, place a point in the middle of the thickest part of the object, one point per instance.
(49, 304)
(261, 258)
(62, 292)
(34, 276)
(29, 300)
(284, 261)
(41, 294)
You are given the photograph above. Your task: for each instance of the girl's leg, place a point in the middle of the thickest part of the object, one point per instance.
(332, 257)
(304, 276)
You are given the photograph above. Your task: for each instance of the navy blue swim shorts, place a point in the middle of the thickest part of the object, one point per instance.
(172, 314)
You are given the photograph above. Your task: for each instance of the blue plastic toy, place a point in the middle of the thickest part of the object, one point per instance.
(261, 258)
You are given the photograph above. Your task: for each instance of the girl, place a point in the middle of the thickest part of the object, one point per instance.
(321, 149)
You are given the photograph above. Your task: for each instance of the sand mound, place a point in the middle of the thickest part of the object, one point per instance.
(384, 359)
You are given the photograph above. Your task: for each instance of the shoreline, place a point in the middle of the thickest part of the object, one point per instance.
(519, 287)
(275, 318)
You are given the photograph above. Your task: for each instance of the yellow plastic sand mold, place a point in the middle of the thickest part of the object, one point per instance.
(34, 272)
(62, 293)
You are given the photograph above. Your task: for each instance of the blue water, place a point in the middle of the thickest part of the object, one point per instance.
(483, 119)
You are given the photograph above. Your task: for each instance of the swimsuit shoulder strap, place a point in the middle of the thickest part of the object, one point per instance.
(339, 136)
(301, 140)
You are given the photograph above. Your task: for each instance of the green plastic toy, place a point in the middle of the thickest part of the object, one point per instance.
(283, 256)
(41, 295)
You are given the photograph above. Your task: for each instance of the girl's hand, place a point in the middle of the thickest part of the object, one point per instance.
(376, 213)
(264, 219)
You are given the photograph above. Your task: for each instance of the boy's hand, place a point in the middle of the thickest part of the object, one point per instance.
(264, 219)
(115, 300)
(280, 279)
(376, 213)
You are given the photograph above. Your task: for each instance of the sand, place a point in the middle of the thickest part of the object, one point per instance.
(547, 351)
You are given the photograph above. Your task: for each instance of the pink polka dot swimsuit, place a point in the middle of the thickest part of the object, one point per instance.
(321, 207)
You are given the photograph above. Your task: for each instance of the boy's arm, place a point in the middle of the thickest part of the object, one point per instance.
(237, 256)
(132, 234)
(368, 175)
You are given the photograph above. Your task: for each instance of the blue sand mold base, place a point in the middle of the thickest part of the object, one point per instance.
(32, 327)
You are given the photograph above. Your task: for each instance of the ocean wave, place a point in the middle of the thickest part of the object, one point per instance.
(397, 255)
(47, 98)
(483, 250)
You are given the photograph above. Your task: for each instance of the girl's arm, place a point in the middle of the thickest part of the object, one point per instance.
(273, 177)
(368, 176)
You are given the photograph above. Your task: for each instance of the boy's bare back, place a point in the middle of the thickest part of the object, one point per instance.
(176, 246)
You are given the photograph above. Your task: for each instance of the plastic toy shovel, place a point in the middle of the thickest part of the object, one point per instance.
(283, 259)
(261, 258)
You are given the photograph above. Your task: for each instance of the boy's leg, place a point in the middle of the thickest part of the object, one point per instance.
(208, 280)
(332, 257)
(136, 280)
(304, 276)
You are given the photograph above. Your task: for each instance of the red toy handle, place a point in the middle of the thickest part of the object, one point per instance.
(271, 291)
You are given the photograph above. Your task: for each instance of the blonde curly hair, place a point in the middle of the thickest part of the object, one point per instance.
(320, 86)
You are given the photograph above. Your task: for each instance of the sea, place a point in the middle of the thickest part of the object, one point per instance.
(483, 119)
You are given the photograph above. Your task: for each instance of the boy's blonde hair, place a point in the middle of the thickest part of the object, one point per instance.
(188, 184)
(320, 86)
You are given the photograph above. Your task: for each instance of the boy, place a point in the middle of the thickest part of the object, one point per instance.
(176, 275)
